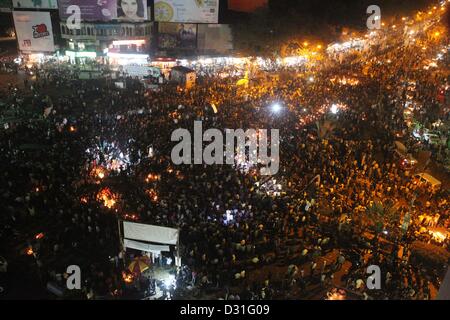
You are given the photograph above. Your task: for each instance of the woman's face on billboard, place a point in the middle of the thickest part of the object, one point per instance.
(130, 8)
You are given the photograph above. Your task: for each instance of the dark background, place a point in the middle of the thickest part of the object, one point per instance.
(284, 20)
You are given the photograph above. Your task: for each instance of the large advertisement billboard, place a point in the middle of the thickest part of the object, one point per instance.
(177, 35)
(105, 10)
(132, 10)
(35, 4)
(193, 11)
(90, 10)
(34, 31)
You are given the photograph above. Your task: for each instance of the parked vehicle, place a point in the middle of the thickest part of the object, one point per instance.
(405, 159)
(425, 178)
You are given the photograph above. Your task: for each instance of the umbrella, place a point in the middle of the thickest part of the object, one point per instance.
(139, 265)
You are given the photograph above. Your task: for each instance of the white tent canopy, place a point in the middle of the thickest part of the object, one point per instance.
(150, 233)
(134, 235)
(153, 248)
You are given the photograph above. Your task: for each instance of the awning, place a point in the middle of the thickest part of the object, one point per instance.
(150, 233)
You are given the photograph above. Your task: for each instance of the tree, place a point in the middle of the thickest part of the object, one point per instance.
(381, 215)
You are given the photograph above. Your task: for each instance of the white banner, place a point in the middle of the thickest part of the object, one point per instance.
(150, 233)
(193, 11)
(154, 248)
(34, 31)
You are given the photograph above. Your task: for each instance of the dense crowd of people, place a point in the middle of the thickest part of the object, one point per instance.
(344, 196)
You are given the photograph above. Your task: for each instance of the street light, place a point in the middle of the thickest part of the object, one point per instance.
(334, 108)
(276, 107)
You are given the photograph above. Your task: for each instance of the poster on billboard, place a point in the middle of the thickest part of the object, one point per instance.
(35, 4)
(34, 31)
(5, 5)
(132, 10)
(106, 10)
(91, 10)
(193, 11)
(177, 35)
(150, 233)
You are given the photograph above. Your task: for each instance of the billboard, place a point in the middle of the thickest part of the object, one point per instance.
(215, 38)
(132, 10)
(193, 11)
(35, 4)
(5, 5)
(90, 10)
(106, 10)
(34, 31)
(177, 35)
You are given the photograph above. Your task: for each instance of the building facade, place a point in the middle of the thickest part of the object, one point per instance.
(123, 42)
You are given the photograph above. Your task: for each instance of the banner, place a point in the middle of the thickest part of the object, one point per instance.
(91, 10)
(106, 10)
(154, 248)
(35, 4)
(34, 31)
(194, 11)
(177, 35)
(150, 233)
(215, 38)
(139, 71)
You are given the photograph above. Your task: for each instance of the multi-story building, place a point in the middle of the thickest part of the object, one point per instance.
(119, 31)
(188, 28)
(111, 31)
(113, 42)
